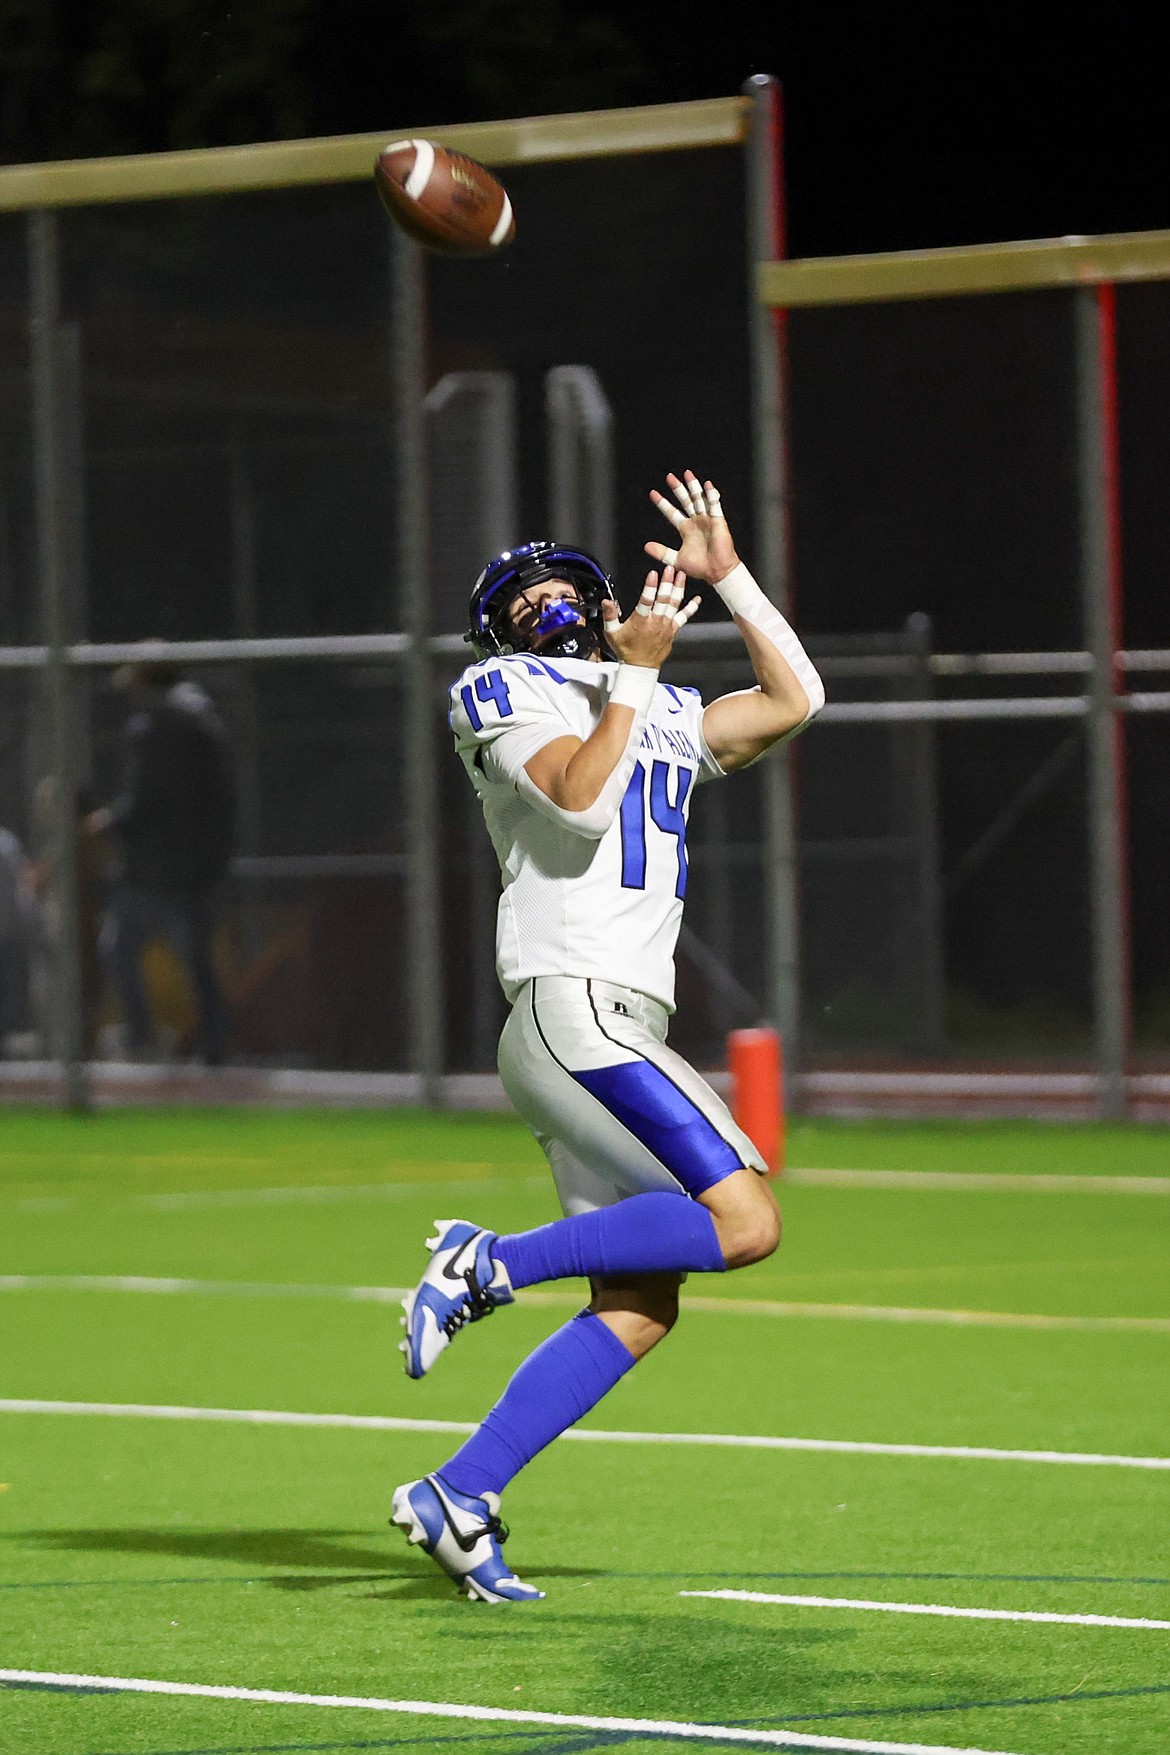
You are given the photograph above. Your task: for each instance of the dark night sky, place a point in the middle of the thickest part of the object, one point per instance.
(906, 129)
(898, 140)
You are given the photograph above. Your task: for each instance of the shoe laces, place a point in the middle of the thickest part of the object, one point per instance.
(492, 1525)
(478, 1304)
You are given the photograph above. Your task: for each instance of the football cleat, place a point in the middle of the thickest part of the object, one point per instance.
(462, 1284)
(463, 1536)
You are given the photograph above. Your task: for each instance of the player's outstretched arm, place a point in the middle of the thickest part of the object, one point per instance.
(585, 778)
(740, 727)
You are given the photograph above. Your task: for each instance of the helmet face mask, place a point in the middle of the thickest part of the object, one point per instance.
(555, 631)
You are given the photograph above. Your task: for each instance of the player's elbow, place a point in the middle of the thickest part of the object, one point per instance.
(813, 690)
(589, 827)
(795, 709)
(585, 809)
(590, 821)
(773, 719)
(802, 702)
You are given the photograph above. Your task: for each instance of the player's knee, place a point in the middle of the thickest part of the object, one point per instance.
(750, 1234)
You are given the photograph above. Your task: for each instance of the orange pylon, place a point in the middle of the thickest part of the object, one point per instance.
(756, 1063)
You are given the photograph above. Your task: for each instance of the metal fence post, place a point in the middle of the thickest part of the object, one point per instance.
(50, 456)
(423, 903)
(922, 751)
(766, 243)
(472, 442)
(1100, 531)
(580, 451)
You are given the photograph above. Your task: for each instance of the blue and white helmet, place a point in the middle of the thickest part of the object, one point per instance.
(490, 633)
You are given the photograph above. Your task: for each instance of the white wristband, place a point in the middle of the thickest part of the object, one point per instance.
(739, 590)
(633, 686)
(743, 597)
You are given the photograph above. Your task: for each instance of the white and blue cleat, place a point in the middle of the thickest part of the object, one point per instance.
(463, 1536)
(462, 1284)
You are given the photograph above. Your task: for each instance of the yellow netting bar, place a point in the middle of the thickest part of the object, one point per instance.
(977, 268)
(349, 158)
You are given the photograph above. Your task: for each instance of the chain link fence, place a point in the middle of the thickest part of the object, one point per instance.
(253, 424)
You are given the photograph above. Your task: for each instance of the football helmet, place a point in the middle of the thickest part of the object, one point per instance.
(558, 633)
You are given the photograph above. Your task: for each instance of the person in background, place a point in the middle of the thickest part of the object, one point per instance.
(174, 825)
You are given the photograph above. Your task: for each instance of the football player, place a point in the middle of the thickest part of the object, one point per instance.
(585, 764)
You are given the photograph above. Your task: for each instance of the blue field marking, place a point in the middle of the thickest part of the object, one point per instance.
(460, 1738)
(939, 1706)
(117, 1583)
(303, 1578)
(594, 1740)
(53, 1688)
(279, 1580)
(579, 1745)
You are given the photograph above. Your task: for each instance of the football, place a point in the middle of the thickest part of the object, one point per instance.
(443, 199)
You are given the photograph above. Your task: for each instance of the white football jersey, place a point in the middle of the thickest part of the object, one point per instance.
(607, 908)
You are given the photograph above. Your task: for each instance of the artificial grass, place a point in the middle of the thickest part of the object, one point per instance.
(260, 1559)
(260, 1556)
(43, 1152)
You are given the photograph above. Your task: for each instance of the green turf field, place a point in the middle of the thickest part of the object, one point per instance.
(218, 1261)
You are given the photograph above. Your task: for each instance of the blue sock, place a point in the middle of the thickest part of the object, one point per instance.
(566, 1376)
(646, 1234)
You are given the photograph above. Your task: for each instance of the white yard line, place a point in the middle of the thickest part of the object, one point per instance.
(164, 1287)
(580, 1434)
(950, 1181)
(981, 1181)
(325, 1194)
(647, 1727)
(172, 1286)
(236, 1416)
(757, 1596)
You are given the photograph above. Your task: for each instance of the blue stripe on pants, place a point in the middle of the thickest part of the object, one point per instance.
(665, 1120)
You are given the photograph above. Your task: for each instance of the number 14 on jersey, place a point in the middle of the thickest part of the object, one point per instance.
(666, 814)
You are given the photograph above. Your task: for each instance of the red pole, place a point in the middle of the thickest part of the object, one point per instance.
(770, 468)
(756, 1063)
(1111, 445)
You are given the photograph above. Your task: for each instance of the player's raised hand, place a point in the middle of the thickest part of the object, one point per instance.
(705, 549)
(646, 636)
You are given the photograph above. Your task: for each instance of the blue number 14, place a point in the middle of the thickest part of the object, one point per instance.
(491, 687)
(666, 814)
